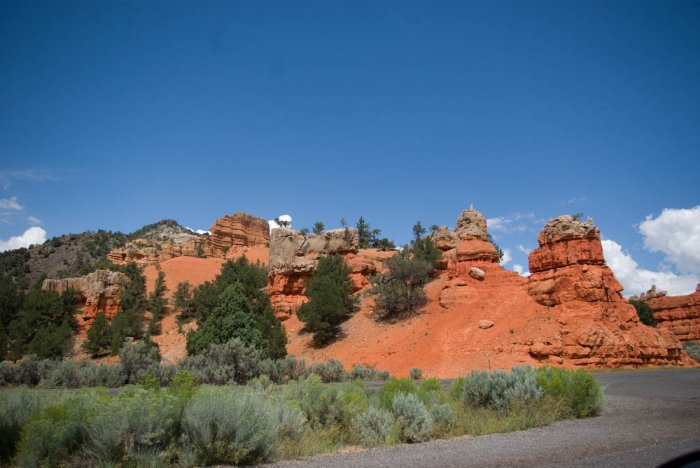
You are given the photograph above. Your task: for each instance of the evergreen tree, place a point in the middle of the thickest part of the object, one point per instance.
(498, 249)
(157, 303)
(183, 302)
(364, 234)
(99, 337)
(644, 312)
(400, 290)
(330, 299)
(217, 306)
(319, 227)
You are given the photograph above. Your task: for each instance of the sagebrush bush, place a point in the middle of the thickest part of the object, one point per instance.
(139, 359)
(227, 426)
(137, 419)
(500, 389)
(16, 406)
(102, 375)
(578, 389)
(360, 372)
(372, 426)
(281, 370)
(67, 374)
(415, 373)
(414, 419)
(320, 403)
(53, 434)
(392, 387)
(443, 415)
(431, 391)
(330, 371)
(224, 364)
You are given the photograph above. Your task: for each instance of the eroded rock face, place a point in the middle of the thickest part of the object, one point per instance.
(598, 327)
(471, 223)
(678, 314)
(293, 259)
(238, 230)
(98, 291)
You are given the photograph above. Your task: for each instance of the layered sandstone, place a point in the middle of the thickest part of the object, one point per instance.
(238, 230)
(98, 291)
(678, 314)
(293, 259)
(598, 326)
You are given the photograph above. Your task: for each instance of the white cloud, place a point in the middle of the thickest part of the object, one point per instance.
(33, 235)
(6, 177)
(523, 249)
(285, 218)
(520, 270)
(10, 204)
(508, 224)
(577, 200)
(507, 257)
(676, 234)
(33, 220)
(636, 280)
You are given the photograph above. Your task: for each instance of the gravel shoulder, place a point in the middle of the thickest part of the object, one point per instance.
(649, 417)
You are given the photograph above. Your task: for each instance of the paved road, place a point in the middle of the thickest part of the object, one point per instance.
(649, 417)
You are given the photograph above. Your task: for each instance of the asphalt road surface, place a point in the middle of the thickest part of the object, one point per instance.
(650, 417)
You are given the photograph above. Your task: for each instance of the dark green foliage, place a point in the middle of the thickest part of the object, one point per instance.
(400, 290)
(424, 249)
(418, 231)
(498, 249)
(156, 304)
(416, 373)
(43, 325)
(368, 237)
(235, 305)
(693, 350)
(330, 300)
(319, 227)
(578, 389)
(224, 364)
(645, 313)
(139, 359)
(129, 320)
(184, 305)
(99, 337)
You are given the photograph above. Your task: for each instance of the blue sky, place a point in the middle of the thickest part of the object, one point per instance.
(114, 115)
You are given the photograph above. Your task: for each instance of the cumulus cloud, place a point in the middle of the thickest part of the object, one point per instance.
(520, 270)
(284, 218)
(523, 249)
(33, 220)
(33, 235)
(508, 224)
(10, 204)
(507, 257)
(676, 234)
(636, 280)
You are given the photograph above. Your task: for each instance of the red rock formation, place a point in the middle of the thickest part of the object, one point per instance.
(598, 327)
(97, 292)
(678, 314)
(238, 230)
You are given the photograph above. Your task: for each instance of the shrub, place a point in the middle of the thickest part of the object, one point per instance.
(235, 305)
(135, 420)
(321, 404)
(281, 370)
(443, 415)
(578, 389)
(360, 372)
(16, 406)
(223, 364)
(391, 388)
(645, 313)
(373, 426)
(98, 336)
(400, 290)
(330, 371)
(183, 302)
(67, 374)
(139, 359)
(230, 427)
(499, 389)
(157, 303)
(693, 350)
(102, 375)
(414, 419)
(330, 300)
(431, 391)
(53, 434)
(415, 373)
